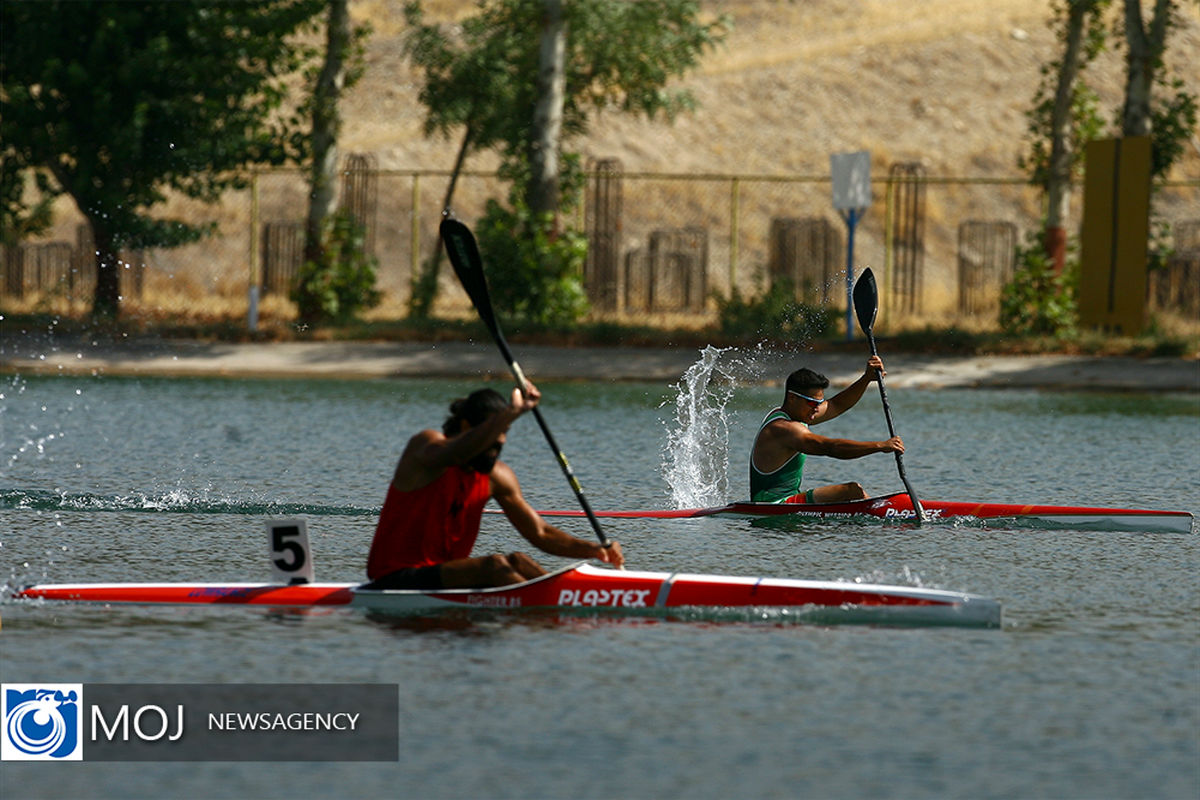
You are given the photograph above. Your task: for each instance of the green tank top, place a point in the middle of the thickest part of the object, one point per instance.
(773, 487)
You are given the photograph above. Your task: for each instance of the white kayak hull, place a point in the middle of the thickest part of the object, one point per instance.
(897, 507)
(584, 588)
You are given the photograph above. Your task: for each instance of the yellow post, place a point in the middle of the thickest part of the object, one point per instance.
(1115, 235)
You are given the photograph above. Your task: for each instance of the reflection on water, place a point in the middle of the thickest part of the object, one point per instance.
(491, 622)
(488, 622)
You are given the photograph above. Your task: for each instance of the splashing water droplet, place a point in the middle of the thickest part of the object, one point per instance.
(696, 453)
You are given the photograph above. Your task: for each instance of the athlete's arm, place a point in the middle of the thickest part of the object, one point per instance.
(429, 451)
(847, 398)
(539, 533)
(799, 438)
(462, 447)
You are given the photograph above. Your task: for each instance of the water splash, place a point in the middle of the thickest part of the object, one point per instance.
(696, 452)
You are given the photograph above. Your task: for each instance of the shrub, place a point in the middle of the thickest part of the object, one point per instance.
(774, 314)
(534, 273)
(343, 283)
(1039, 300)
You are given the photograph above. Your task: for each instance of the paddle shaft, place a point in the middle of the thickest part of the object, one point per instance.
(468, 265)
(866, 305)
(887, 414)
(558, 453)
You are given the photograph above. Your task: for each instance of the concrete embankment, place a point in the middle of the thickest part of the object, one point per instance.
(25, 354)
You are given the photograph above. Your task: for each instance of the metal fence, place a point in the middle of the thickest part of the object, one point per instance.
(661, 245)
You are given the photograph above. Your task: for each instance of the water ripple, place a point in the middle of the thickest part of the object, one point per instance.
(170, 502)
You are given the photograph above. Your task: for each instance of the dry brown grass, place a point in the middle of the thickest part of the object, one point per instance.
(943, 82)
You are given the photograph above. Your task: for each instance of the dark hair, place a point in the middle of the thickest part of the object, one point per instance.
(474, 408)
(804, 378)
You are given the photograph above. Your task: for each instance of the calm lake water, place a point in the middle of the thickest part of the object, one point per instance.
(1090, 690)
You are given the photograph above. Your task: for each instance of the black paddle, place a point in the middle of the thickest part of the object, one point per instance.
(866, 303)
(468, 265)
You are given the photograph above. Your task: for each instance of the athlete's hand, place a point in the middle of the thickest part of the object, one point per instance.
(875, 369)
(526, 400)
(893, 445)
(612, 554)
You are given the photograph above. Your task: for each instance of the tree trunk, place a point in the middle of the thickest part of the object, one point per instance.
(459, 160)
(425, 286)
(1058, 182)
(106, 298)
(547, 116)
(1144, 50)
(322, 200)
(106, 302)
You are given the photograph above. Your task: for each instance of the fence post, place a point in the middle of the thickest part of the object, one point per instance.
(889, 212)
(734, 218)
(255, 255)
(906, 234)
(603, 273)
(414, 259)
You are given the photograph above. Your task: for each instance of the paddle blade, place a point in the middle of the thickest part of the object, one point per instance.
(866, 300)
(468, 266)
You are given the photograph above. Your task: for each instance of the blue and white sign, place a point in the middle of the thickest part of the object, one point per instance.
(851, 174)
(42, 722)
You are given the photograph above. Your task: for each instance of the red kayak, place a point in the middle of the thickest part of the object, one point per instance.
(586, 588)
(898, 507)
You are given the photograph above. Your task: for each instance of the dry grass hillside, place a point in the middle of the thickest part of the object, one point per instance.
(943, 82)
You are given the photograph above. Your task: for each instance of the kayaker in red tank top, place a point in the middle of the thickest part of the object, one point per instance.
(431, 525)
(431, 516)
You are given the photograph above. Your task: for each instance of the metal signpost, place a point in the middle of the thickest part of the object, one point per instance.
(851, 197)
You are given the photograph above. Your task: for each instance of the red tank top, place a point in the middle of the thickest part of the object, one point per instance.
(431, 525)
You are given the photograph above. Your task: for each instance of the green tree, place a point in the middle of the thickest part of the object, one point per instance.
(1156, 104)
(18, 220)
(342, 67)
(1065, 116)
(484, 77)
(121, 102)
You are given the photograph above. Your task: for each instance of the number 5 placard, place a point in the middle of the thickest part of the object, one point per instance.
(288, 552)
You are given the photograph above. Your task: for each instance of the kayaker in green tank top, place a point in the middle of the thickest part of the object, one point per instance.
(785, 438)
